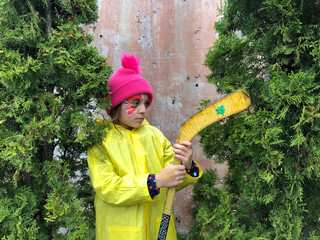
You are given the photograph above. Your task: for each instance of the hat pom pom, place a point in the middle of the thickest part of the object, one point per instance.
(131, 62)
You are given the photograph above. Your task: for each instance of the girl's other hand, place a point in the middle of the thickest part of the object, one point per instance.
(170, 176)
(183, 152)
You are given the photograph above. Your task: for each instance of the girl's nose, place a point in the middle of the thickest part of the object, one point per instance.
(142, 108)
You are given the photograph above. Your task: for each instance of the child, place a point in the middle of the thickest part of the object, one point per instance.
(132, 168)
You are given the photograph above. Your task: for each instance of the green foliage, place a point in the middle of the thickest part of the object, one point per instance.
(271, 49)
(51, 81)
(212, 211)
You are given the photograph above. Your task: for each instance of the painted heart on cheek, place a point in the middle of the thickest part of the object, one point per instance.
(130, 110)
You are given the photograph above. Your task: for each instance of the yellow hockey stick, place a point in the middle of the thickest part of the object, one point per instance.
(227, 106)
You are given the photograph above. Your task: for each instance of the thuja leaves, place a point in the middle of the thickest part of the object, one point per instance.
(271, 49)
(51, 81)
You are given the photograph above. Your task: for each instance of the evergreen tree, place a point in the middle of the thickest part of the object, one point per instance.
(51, 79)
(271, 49)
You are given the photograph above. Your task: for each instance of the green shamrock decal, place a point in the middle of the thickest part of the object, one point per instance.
(221, 110)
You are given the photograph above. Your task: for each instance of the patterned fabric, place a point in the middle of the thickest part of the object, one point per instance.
(194, 170)
(164, 227)
(152, 187)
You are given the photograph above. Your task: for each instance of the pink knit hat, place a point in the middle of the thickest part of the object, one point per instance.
(126, 82)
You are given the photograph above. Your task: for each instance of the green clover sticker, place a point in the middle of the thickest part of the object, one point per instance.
(221, 110)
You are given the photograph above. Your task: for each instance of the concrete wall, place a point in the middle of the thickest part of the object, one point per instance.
(171, 38)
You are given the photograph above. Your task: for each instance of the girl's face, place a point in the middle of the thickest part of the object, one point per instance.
(134, 111)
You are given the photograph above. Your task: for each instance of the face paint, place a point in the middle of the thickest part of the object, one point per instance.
(134, 102)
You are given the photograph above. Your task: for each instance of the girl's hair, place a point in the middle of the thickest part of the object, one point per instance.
(115, 115)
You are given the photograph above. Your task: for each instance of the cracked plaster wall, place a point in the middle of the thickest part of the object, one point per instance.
(171, 38)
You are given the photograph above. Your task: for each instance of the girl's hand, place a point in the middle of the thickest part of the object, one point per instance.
(183, 152)
(170, 176)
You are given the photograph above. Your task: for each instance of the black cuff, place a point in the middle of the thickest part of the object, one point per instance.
(152, 187)
(194, 170)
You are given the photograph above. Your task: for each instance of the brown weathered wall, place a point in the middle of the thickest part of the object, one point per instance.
(171, 38)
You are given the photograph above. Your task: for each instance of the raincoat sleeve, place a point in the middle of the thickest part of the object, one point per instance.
(109, 186)
(168, 159)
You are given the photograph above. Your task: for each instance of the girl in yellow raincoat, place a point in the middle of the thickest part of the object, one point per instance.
(132, 168)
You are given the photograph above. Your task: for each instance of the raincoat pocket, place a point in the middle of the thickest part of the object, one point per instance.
(120, 233)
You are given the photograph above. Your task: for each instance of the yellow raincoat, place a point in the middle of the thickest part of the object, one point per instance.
(119, 169)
